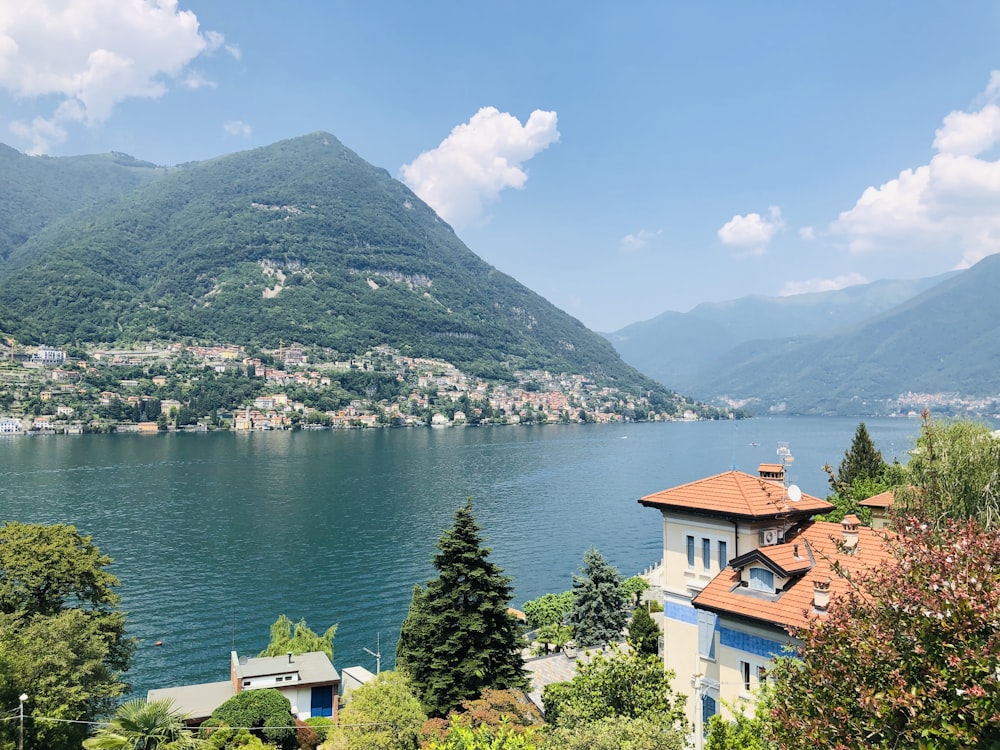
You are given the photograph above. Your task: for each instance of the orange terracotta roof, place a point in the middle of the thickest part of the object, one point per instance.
(735, 494)
(784, 558)
(881, 500)
(774, 468)
(794, 606)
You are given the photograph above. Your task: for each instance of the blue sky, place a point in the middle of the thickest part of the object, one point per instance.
(619, 160)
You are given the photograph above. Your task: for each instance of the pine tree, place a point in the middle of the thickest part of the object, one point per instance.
(862, 460)
(599, 603)
(458, 637)
(643, 632)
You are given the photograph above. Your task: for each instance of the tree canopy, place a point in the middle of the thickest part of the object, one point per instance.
(909, 658)
(954, 472)
(142, 725)
(62, 635)
(599, 604)
(298, 639)
(548, 609)
(622, 684)
(383, 714)
(266, 713)
(458, 637)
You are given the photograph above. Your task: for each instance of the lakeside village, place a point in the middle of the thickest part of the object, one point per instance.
(44, 390)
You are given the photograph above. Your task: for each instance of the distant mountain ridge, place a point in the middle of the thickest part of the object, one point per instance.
(933, 336)
(944, 340)
(677, 348)
(300, 241)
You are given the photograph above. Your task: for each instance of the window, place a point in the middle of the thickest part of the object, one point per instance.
(706, 554)
(723, 557)
(706, 634)
(690, 545)
(761, 579)
(761, 675)
(745, 675)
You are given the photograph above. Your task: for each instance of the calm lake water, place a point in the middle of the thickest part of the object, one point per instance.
(214, 535)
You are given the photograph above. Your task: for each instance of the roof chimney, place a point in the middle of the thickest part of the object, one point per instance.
(850, 525)
(821, 594)
(290, 657)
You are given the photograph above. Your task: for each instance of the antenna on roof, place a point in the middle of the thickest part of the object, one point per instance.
(787, 459)
(377, 653)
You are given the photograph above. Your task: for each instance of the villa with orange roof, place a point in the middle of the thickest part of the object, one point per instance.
(881, 505)
(743, 562)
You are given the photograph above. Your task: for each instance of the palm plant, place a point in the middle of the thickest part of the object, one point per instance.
(145, 725)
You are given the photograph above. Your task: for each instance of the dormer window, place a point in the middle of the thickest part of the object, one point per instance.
(761, 579)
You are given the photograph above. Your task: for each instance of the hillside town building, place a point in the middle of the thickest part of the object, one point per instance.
(743, 564)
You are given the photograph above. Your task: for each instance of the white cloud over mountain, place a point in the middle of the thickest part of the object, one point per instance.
(90, 55)
(822, 285)
(951, 201)
(477, 161)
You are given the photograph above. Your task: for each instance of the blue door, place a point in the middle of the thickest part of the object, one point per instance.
(321, 703)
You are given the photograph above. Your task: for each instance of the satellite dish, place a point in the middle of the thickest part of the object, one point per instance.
(794, 493)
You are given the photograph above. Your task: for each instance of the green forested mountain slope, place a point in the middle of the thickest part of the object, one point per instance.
(301, 241)
(36, 191)
(945, 340)
(676, 347)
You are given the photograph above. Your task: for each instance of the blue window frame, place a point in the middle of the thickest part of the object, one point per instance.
(690, 549)
(706, 554)
(723, 556)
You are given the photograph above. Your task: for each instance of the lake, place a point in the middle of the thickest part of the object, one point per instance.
(215, 535)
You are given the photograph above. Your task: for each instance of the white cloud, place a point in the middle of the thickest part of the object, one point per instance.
(477, 161)
(807, 233)
(237, 128)
(950, 202)
(92, 54)
(639, 240)
(822, 285)
(969, 133)
(196, 80)
(752, 231)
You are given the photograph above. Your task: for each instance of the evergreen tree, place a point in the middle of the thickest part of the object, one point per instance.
(599, 603)
(643, 632)
(862, 460)
(458, 637)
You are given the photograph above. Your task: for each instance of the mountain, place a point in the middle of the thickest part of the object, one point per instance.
(944, 340)
(300, 241)
(676, 348)
(39, 190)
